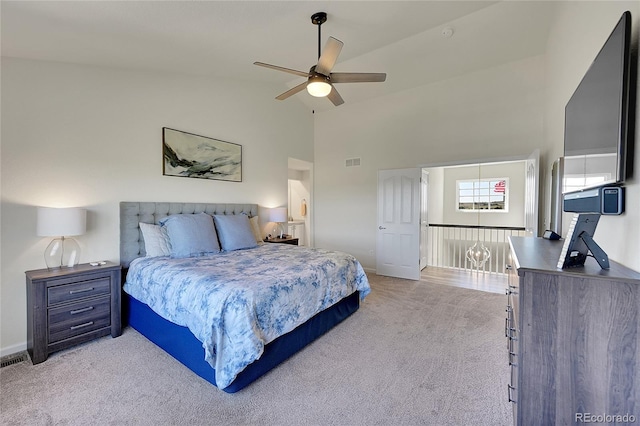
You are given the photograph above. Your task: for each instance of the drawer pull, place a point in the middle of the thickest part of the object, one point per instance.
(82, 290)
(508, 330)
(86, 324)
(509, 389)
(79, 311)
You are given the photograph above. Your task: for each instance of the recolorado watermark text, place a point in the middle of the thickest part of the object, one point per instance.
(604, 418)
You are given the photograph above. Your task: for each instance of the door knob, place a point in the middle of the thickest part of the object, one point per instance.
(381, 227)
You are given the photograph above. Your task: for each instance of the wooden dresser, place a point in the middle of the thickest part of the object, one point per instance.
(573, 339)
(67, 306)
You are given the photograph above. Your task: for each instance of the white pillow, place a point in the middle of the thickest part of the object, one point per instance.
(156, 240)
(255, 227)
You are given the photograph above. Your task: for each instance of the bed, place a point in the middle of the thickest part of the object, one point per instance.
(230, 316)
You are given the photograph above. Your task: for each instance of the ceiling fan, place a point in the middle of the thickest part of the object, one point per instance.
(320, 79)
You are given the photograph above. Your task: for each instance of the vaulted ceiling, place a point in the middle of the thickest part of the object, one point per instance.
(406, 39)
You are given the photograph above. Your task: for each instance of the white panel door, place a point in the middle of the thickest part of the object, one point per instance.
(398, 242)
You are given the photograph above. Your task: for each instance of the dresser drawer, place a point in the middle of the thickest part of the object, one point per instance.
(78, 290)
(78, 318)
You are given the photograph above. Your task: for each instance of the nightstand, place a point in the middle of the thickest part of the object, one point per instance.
(68, 306)
(289, 240)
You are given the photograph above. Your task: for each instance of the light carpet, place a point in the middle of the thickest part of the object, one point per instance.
(415, 353)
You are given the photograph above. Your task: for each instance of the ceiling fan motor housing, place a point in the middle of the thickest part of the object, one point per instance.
(314, 73)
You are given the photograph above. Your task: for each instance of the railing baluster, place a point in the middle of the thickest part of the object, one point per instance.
(457, 249)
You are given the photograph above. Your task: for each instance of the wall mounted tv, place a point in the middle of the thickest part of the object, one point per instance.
(599, 117)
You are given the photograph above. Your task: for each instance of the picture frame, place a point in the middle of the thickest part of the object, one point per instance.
(189, 155)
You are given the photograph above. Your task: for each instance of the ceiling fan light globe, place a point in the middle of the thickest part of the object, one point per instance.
(319, 88)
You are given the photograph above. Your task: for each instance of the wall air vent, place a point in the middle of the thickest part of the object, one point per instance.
(352, 162)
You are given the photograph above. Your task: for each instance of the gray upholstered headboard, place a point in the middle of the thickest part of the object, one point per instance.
(132, 213)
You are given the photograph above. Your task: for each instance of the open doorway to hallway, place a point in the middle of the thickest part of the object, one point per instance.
(472, 209)
(300, 206)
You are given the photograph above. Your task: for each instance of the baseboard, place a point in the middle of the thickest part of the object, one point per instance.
(13, 349)
(369, 270)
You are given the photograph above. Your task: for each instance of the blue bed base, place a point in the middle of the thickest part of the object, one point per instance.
(179, 342)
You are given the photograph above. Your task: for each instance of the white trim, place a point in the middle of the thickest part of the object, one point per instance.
(13, 349)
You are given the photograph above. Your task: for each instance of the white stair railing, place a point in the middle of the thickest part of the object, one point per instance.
(448, 247)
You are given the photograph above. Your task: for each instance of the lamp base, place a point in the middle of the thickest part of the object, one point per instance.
(62, 252)
(278, 231)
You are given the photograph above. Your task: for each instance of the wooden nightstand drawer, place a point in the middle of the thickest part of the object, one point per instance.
(80, 290)
(78, 318)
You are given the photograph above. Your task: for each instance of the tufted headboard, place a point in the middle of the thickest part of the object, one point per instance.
(132, 213)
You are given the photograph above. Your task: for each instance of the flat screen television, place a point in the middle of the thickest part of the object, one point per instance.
(599, 122)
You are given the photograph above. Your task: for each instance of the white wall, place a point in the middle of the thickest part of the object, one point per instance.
(92, 137)
(436, 195)
(577, 35)
(493, 113)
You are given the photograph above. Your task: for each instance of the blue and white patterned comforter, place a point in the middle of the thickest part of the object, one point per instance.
(237, 302)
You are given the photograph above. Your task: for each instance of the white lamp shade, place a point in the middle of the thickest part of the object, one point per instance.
(278, 214)
(61, 222)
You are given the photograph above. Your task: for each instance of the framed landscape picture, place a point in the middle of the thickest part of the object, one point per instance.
(188, 155)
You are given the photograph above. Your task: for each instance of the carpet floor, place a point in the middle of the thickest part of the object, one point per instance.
(416, 353)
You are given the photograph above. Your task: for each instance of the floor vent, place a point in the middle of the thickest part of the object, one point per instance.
(13, 359)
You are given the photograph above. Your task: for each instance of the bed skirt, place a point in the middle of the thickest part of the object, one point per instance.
(179, 342)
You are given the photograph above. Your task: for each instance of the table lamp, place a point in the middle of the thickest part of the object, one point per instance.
(279, 216)
(61, 223)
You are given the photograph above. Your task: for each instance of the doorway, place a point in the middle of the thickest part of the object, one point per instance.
(299, 200)
(475, 208)
(431, 197)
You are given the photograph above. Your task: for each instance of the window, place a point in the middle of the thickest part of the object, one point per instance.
(483, 194)
(576, 182)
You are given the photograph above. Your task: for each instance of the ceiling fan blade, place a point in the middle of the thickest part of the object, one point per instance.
(300, 87)
(277, 68)
(335, 97)
(358, 77)
(329, 56)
